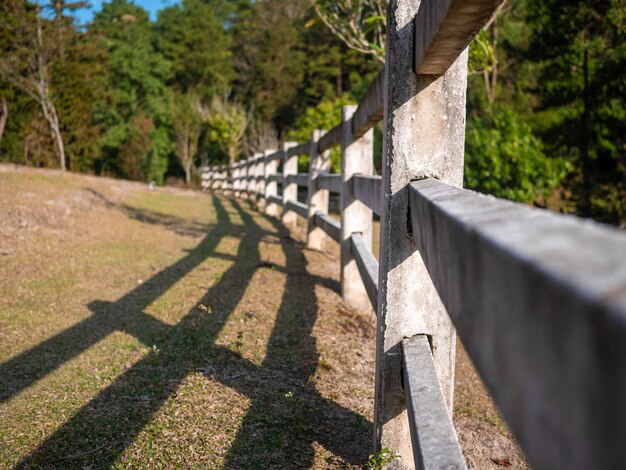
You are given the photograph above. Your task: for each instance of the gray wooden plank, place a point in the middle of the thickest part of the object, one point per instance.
(371, 107)
(329, 225)
(539, 300)
(434, 440)
(368, 267)
(367, 189)
(444, 28)
(330, 182)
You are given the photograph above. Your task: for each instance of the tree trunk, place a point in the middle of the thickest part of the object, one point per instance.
(3, 118)
(49, 111)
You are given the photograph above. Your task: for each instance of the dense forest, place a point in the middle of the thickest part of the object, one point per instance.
(212, 80)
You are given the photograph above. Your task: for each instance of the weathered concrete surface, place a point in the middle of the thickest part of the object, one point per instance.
(371, 107)
(329, 225)
(330, 139)
(290, 190)
(300, 179)
(444, 28)
(540, 302)
(331, 182)
(299, 149)
(271, 186)
(368, 267)
(367, 189)
(357, 157)
(434, 440)
(317, 198)
(259, 172)
(424, 136)
(297, 208)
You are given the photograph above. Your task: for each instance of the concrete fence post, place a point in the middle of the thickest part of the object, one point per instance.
(245, 184)
(211, 181)
(236, 180)
(424, 119)
(290, 190)
(230, 180)
(357, 158)
(250, 177)
(253, 174)
(271, 187)
(219, 172)
(260, 181)
(317, 199)
(224, 174)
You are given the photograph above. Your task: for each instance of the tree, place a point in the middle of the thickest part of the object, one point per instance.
(193, 37)
(3, 116)
(28, 66)
(135, 111)
(269, 59)
(324, 116)
(187, 127)
(228, 122)
(360, 24)
(260, 136)
(579, 53)
(505, 158)
(63, 21)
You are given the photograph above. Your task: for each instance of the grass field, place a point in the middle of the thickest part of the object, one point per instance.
(171, 329)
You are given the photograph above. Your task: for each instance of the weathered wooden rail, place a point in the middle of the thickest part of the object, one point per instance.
(539, 299)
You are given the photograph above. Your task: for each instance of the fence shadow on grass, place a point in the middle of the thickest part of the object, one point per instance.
(286, 414)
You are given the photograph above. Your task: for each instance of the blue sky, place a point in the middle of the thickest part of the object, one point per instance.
(152, 6)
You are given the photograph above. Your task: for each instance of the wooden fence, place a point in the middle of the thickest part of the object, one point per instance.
(539, 299)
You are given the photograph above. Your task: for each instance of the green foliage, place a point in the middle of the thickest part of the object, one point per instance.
(135, 113)
(382, 458)
(504, 158)
(581, 85)
(227, 123)
(193, 37)
(325, 116)
(271, 62)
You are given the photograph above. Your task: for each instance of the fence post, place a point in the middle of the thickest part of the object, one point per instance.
(243, 175)
(260, 181)
(271, 187)
(424, 136)
(236, 179)
(220, 184)
(317, 199)
(290, 190)
(357, 158)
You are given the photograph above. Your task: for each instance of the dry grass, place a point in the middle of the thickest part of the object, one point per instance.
(175, 330)
(169, 330)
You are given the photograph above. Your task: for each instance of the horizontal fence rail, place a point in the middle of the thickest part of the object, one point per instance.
(538, 299)
(432, 431)
(367, 190)
(330, 226)
(332, 183)
(301, 179)
(517, 273)
(368, 266)
(298, 208)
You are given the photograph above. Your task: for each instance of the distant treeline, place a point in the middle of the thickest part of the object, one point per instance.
(212, 80)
